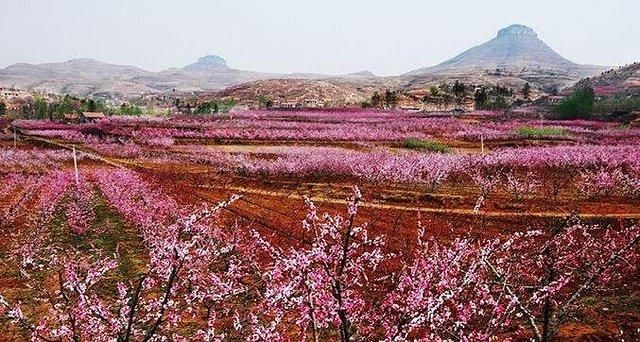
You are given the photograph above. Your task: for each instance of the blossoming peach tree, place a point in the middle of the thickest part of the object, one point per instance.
(202, 277)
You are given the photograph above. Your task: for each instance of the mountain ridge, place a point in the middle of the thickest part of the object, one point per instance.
(86, 76)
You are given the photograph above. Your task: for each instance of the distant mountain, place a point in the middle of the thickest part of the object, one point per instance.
(78, 76)
(208, 73)
(87, 77)
(91, 68)
(515, 47)
(207, 63)
(365, 74)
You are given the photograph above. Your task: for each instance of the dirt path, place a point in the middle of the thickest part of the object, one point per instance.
(321, 199)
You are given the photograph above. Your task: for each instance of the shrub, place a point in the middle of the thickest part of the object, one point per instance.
(215, 107)
(129, 110)
(577, 106)
(419, 144)
(540, 132)
(492, 98)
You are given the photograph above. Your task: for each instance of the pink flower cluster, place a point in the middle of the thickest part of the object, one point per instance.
(337, 125)
(79, 211)
(375, 166)
(33, 160)
(603, 182)
(521, 171)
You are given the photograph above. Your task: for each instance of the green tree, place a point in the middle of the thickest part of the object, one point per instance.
(265, 102)
(459, 90)
(130, 110)
(60, 108)
(446, 99)
(496, 97)
(67, 104)
(40, 108)
(577, 106)
(434, 91)
(503, 91)
(481, 97)
(376, 100)
(90, 105)
(390, 99)
(526, 91)
(210, 107)
(617, 104)
(226, 105)
(501, 102)
(215, 106)
(101, 106)
(3, 108)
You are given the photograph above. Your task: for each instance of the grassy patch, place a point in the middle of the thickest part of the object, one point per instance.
(540, 132)
(418, 144)
(116, 236)
(109, 234)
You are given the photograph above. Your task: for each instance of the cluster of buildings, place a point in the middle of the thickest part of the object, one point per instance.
(15, 99)
(306, 103)
(83, 117)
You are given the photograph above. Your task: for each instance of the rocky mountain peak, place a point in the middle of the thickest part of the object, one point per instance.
(208, 62)
(514, 48)
(517, 31)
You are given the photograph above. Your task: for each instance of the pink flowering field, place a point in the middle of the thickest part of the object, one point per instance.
(342, 225)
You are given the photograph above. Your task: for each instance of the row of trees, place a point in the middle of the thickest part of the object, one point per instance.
(445, 94)
(494, 97)
(41, 108)
(212, 282)
(485, 97)
(388, 100)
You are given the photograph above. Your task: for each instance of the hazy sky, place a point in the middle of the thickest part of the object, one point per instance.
(325, 36)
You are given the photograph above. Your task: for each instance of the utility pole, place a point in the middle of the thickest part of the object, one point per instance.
(482, 143)
(75, 163)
